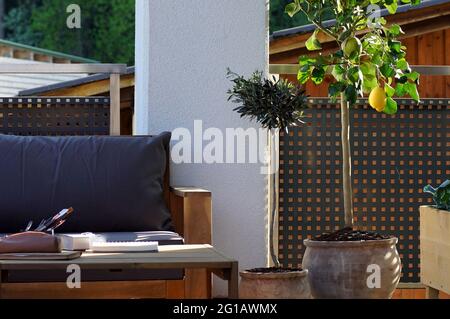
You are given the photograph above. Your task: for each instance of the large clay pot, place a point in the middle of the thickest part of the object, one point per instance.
(287, 285)
(349, 269)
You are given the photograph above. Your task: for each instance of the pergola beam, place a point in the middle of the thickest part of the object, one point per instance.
(422, 69)
(49, 68)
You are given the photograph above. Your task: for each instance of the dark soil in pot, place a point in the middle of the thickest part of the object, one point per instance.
(273, 270)
(350, 234)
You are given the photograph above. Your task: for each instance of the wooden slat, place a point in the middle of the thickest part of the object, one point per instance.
(89, 89)
(54, 68)
(435, 248)
(191, 215)
(176, 209)
(431, 293)
(416, 294)
(114, 93)
(175, 289)
(190, 191)
(411, 49)
(438, 58)
(397, 294)
(197, 229)
(447, 61)
(88, 290)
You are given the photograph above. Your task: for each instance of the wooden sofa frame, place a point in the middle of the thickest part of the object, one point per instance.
(191, 213)
(190, 208)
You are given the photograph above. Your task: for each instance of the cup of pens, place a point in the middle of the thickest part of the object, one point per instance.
(49, 225)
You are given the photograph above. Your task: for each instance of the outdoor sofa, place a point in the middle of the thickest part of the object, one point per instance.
(119, 188)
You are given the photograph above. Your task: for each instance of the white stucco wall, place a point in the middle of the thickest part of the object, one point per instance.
(182, 51)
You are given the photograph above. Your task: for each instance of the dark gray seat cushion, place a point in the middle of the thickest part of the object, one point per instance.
(114, 184)
(163, 238)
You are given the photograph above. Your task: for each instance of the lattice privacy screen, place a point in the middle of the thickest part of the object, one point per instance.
(55, 116)
(393, 158)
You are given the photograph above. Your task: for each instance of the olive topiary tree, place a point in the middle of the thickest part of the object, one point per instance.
(369, 59)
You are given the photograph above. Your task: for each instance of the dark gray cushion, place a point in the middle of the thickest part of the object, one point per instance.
(114, 184)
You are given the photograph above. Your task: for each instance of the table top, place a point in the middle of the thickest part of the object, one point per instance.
(168, 256)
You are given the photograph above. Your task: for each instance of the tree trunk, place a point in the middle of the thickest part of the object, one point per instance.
(273, 169)
(346, 162)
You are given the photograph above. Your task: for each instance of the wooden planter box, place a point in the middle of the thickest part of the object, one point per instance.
(435, 250)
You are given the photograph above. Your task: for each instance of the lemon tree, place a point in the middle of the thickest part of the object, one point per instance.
(369, 59)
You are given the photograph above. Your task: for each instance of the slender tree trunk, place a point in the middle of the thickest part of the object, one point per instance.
(346, 162)
(274, 209)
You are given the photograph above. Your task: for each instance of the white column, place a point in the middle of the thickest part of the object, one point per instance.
(183, 49)
(142, 78)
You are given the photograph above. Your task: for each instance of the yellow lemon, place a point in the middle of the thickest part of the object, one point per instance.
(377, 99)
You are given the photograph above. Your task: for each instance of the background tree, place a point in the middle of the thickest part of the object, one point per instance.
(17, 22)
(106, 34)
(2, 15)
(370, 60)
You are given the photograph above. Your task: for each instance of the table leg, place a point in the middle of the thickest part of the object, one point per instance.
(233, 282)
(432, 293)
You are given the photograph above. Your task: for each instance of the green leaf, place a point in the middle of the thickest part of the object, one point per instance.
(387, 70)
(396, 30)
(411, 89)
(338, 72)
(304, 59)
(338, 54)
(429, 189)
(376, 59)
(335, 88)
(402, 79)
(392, 8)
(354, 74)
(413, 76)
(351, 94)
(403, 65)
(312, 43)
(368, 68)
(292, 9)
(415, 2)
(391, 106)
(399, 89)
(340, 7)
(303, 77)
(395, 46)
(318, 75)
(390, 91)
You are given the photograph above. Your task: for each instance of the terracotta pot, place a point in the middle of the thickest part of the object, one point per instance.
(352, 269)
(288, 285)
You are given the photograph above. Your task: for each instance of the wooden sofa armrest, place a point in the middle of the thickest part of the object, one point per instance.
(192, 213)
(191, 216)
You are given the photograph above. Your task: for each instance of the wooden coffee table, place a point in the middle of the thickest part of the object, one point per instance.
(168, 257)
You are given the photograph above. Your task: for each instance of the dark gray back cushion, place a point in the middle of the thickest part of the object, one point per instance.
(114, 183)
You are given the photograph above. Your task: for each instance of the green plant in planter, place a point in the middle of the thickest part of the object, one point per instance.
(441, 195)
(275, 105)
(369, 60)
